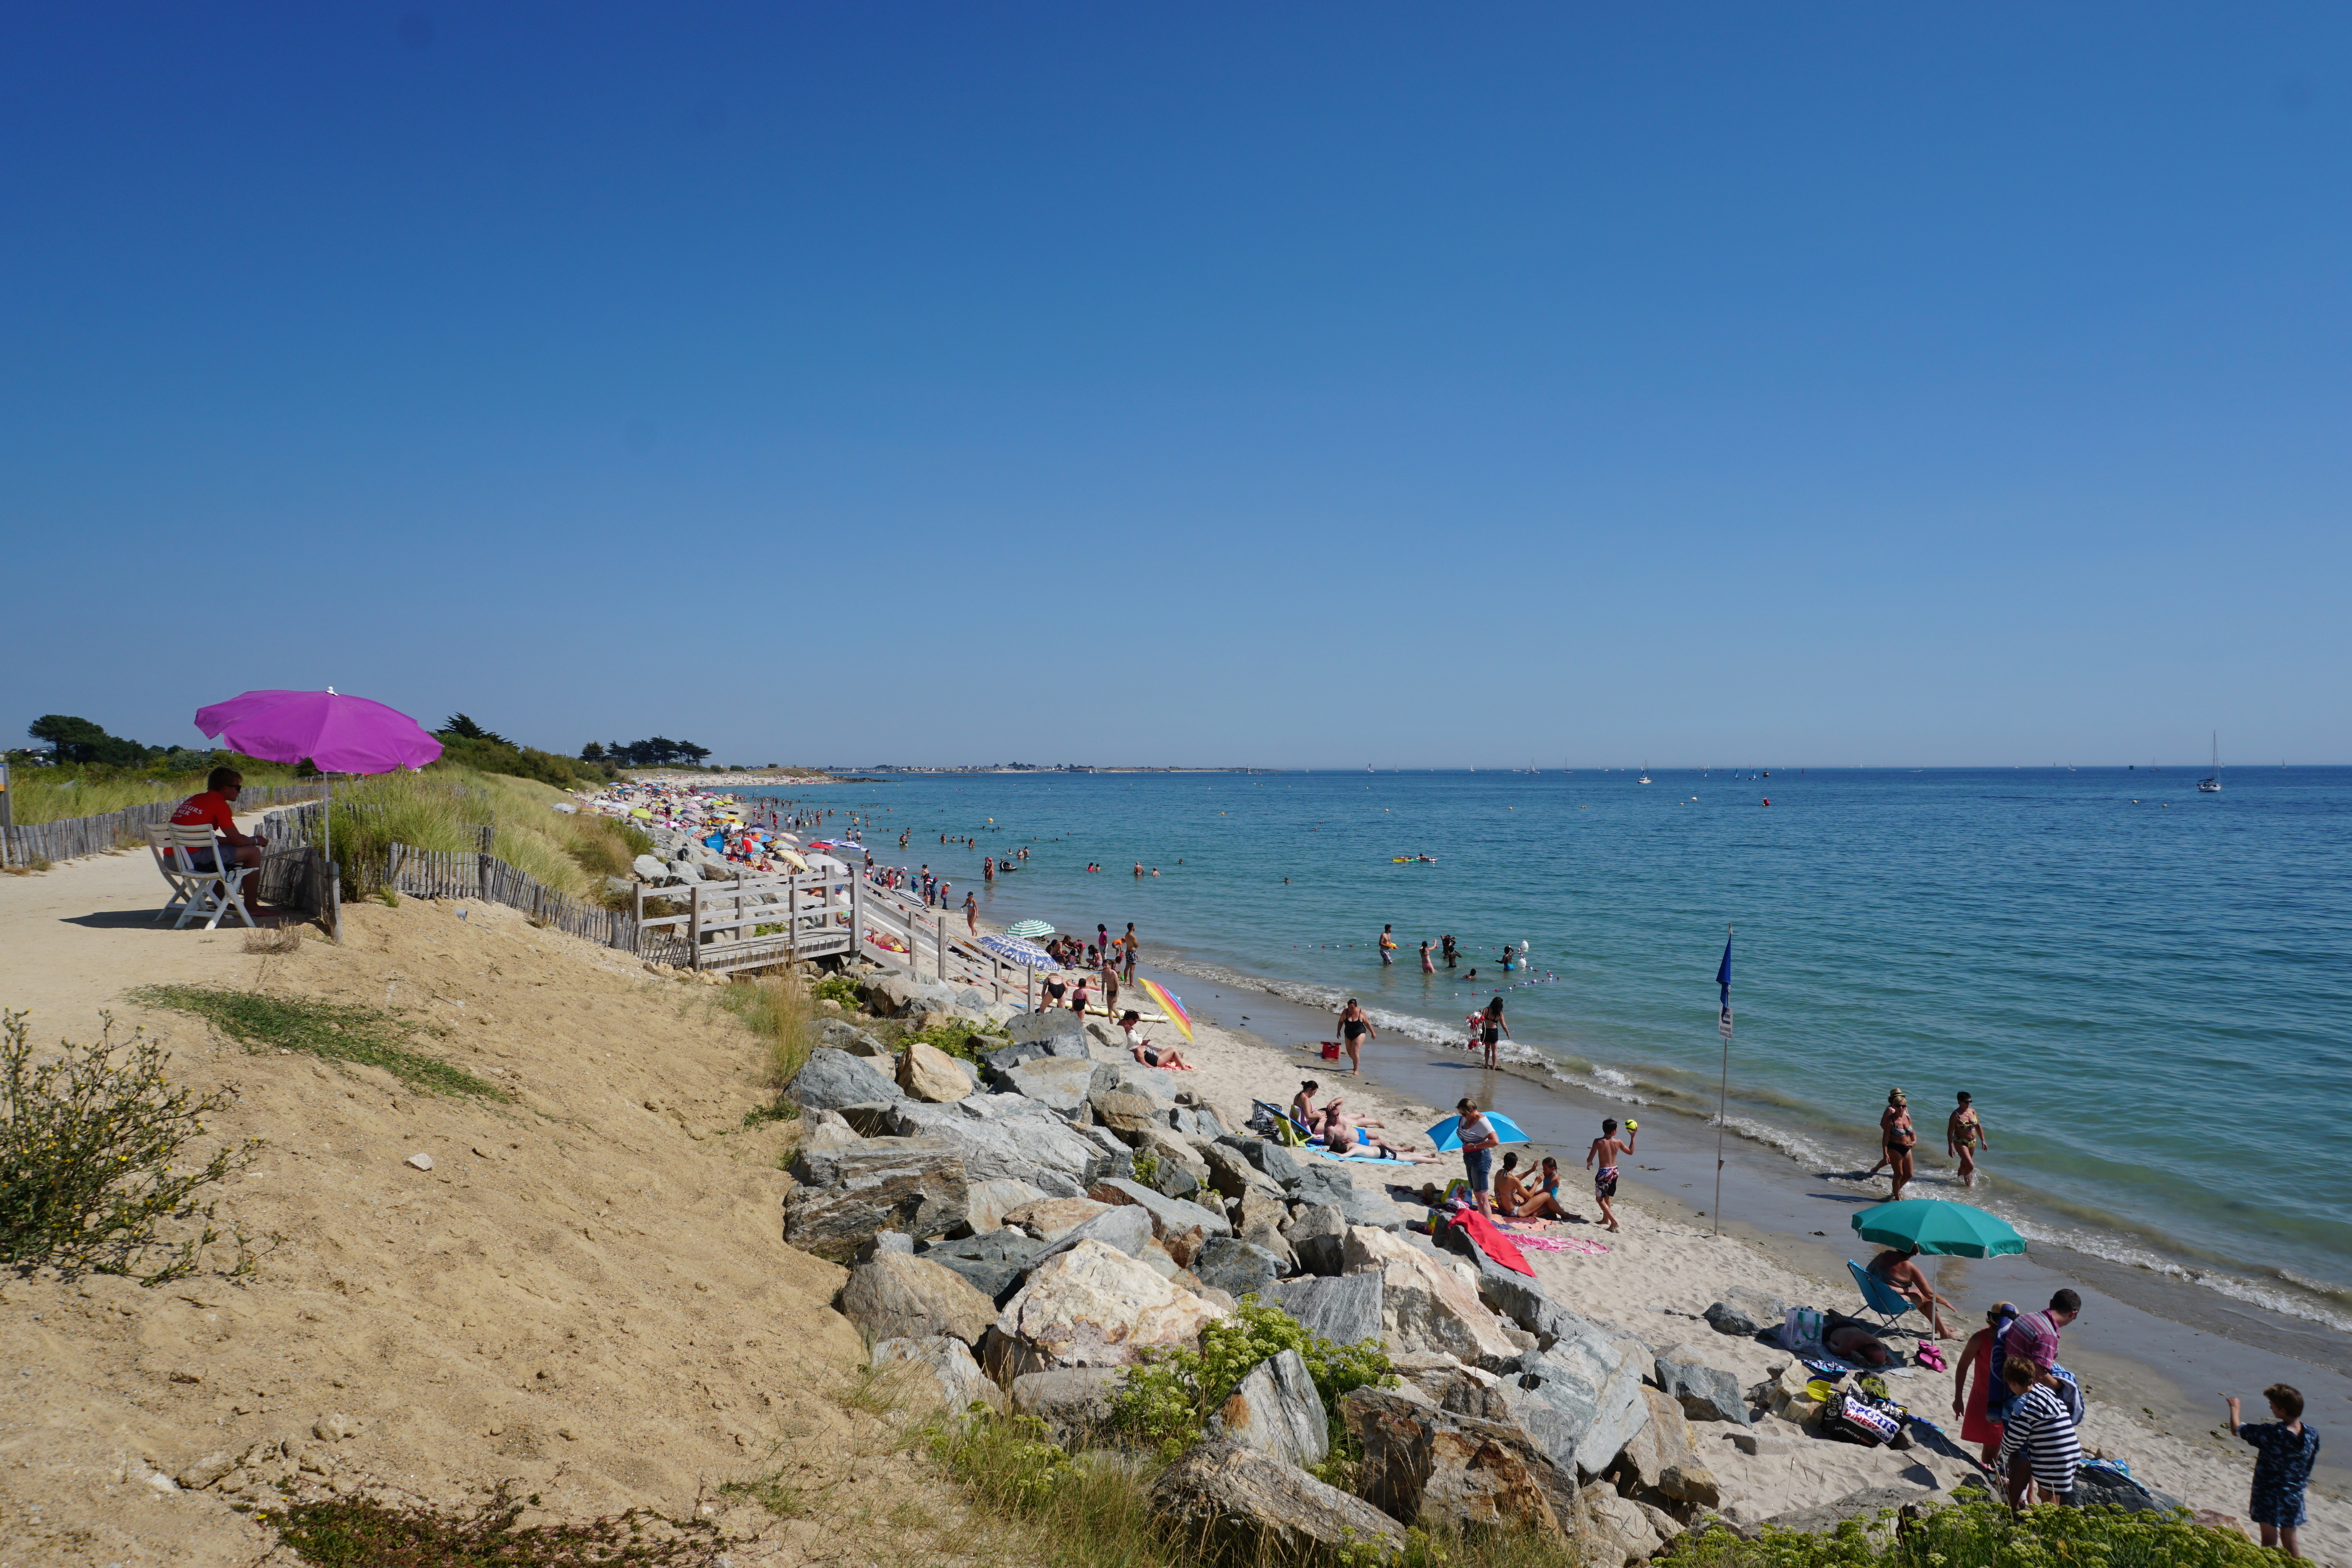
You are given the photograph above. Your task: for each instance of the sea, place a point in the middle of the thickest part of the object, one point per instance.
(2147, 989)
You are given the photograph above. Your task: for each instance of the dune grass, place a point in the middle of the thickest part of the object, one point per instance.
(39, 795)
(333, 1032)
(445, 809)
(778, 1012)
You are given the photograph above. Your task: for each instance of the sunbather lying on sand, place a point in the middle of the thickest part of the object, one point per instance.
(1342, 1136)
(1148, 1054)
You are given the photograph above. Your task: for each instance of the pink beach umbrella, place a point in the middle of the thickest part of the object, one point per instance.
(338, 734)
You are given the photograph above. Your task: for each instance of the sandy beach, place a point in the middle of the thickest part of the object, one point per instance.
(1655, 1278)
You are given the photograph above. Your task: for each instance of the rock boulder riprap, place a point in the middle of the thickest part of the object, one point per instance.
(939, 1369)
(1276, 1409)
(1235, 1267)
(849, 1192)
(1422, 1462)
(1705, 1393)
(989, 1201)
(1060, 1084)
(1424, 1304)
(831, 1079)
(1582, 1398)
(1094, 1306)
(1074, 1402)
(900, 1296)
(1229, 1500)
(930, 1074)
(1344, 1310)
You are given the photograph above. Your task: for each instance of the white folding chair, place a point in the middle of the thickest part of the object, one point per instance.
(197, 892)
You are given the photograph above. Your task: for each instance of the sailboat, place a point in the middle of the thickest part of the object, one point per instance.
(1645, 773)
(2211, 784)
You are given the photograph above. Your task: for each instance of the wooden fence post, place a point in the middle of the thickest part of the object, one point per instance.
(694, 924)
(482, 867)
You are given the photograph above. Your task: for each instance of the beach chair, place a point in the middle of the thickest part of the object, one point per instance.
(1288, 1130)
(195, 893)
(1878, 1296)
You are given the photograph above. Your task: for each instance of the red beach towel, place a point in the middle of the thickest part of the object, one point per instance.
(1493, 1242)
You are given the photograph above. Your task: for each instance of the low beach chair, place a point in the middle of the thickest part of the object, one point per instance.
(1289, 1131)
(196, 892)
(1878, 1296)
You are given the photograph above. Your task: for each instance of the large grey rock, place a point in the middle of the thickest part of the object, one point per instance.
(1059, 1083)
(1051, 1218)
(1664, 1442)
(1613, 1532)
(1056, 1029)
(1074, 1402)
(900, 1296)
(1746, 1313)
(1581, 1399)
(1093, 1306)
(1319, 1235)
(1424, 1304)
(1276, 1409)
(1258, 1219)
(1276, 1162)
(1124, 1226)
(1326, 1183)
(992, 1264)
(989, 1201)
(1040, 1148)
(1424, 1463)
(940, 1370)
(1231, 1175)
(832, 1079)
(846, 1194)
(1171, 1216)
(649, 869)
(1123, 1113)
(840, 1036)
(1705, 1393)
(1235, 1267)
(1226, 1500)
(1344, 1311)
(1516, 1297)
(2093, 1486)
(930, 1074)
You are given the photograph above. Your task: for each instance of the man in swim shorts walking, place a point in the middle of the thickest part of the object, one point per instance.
(1608, 1151)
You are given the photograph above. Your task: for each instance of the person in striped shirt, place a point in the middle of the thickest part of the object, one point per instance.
(2037, 1445)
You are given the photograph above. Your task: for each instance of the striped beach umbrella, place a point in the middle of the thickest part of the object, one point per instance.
(1029, 930)
(1168, 1004)
(1014, 950)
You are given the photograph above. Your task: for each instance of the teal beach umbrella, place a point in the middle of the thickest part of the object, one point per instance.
(1940, 1229)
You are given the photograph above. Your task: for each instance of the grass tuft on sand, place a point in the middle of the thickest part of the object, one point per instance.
(778, 1012)
(332, 1031)
(366, 1532)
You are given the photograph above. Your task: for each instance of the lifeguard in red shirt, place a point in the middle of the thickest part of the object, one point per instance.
(222, 786)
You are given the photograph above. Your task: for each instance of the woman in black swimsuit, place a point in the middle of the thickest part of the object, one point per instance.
(1493, 1029)
(1895, 1130)
(1353, 1027)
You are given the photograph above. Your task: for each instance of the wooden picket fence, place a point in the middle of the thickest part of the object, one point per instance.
(478, 874)
(70, 838)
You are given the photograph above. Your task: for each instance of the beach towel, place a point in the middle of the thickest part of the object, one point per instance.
(1564, 1244)
(1361, 1159)
(1491, 1241)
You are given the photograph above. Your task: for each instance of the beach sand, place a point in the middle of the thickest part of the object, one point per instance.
(1659, 1275)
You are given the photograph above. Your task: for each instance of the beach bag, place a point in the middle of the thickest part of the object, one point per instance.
(1330, 1051)
(1850, 1418)
(1801, 1328)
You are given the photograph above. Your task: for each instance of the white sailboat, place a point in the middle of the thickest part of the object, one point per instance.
(1645, 773)
(2211, 784)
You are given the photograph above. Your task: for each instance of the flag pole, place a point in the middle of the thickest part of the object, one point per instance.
(1722, 1090)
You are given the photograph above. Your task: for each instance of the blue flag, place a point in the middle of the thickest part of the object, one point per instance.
(1723, 973)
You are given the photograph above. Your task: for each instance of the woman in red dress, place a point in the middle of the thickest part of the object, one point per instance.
(1969, 1400)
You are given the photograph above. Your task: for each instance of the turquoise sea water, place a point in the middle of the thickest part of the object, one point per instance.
(2148, 990)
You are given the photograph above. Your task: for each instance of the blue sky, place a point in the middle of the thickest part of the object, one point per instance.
(1208, 384)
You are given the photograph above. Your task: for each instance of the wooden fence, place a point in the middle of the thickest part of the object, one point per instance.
(70, 838)
(477, 874)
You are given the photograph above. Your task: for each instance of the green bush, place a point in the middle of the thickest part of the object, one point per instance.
(1982, 1534)
(1168, 1399)
(838, 989)
(89, 1159)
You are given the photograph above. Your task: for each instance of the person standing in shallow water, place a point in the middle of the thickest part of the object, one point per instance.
(1492, 1029)
(1963, 1135)
(1899, 1137)
(1446, 944)
(1388, 946)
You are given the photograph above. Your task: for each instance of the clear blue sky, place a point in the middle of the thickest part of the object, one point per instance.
(1292, 384)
